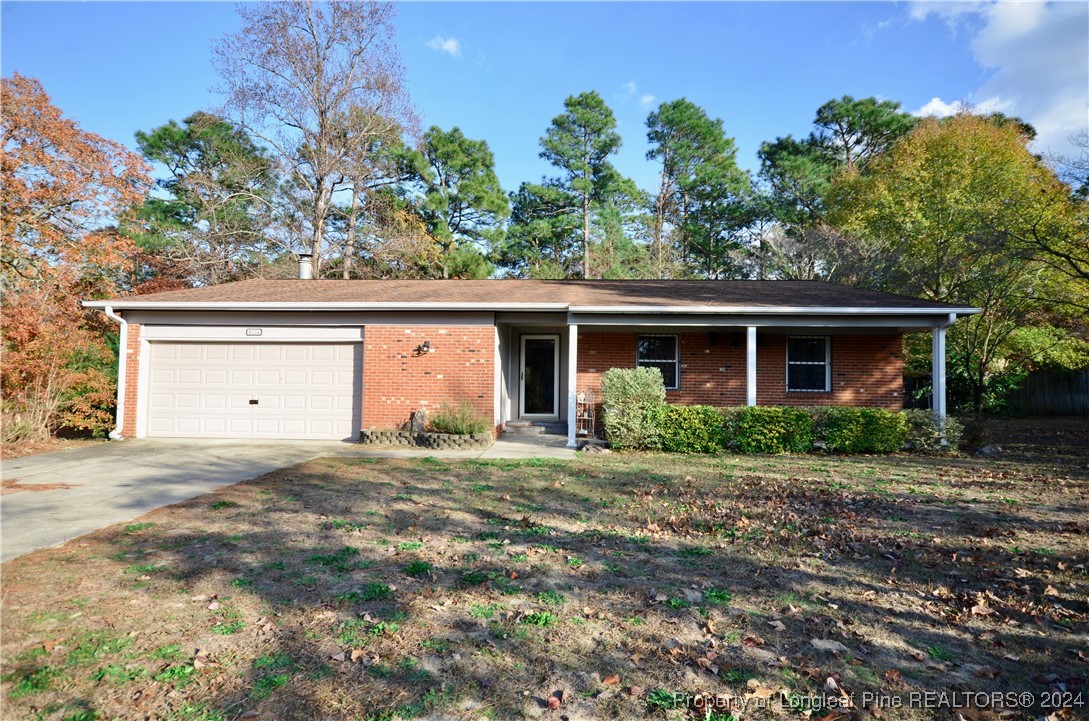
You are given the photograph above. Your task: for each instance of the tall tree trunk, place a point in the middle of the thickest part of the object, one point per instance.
(586, 235)
(349, 249)
(659, 215)
(319, 228)
(710, 255)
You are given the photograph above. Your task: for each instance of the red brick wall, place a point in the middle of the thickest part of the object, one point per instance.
(396, 382)
(867, 370)
(132, 380)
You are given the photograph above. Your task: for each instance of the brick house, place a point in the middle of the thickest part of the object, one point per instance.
(325, 359)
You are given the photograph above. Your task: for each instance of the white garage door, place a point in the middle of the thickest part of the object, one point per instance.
(255, 390)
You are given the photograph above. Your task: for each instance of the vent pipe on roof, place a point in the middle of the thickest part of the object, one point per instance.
(306, 267)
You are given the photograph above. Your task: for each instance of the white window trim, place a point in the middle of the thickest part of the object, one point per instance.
(827, 364)
(676, 360)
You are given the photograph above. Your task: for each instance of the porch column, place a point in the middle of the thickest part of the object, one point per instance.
(937, 371)
(572, 384)
(750, 366)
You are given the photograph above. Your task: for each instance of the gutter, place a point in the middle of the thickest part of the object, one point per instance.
(122, 362)
(768, 310)
(321, 305)
(493, 307)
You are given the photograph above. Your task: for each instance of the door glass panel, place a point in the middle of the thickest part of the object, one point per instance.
(539, 380)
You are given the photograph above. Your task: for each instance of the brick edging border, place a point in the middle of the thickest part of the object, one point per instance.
(436, 441)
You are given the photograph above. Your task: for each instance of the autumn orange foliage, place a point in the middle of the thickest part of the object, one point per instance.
(63, 193)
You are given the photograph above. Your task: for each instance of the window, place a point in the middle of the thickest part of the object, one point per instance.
(809, 364)
(660, 351)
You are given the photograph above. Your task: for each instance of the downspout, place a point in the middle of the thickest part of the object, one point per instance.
(122, 362)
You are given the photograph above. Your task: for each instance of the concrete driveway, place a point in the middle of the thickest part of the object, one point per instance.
(116, 482)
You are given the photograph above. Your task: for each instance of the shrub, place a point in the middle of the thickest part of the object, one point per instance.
(689, 429)
(630, 400)
(770, 429)
(923, 434)
(860, 430)
(461, 420)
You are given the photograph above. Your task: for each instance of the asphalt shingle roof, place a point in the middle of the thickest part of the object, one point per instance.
(579, 293)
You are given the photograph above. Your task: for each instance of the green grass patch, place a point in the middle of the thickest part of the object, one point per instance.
(228, 628)
(196, 712)
(342, 525)
(543, 619)
(119, 675)
(485, 611)
(93, 646)
(662, 700)
(264, 686)
(718, 596)
(178, 675)
(274, 661)
(474, 578)
(340, 561)
(28, 683)
(170, 652)
(551, 598)
(417, 569)
(939, 654)
(353, 632)
(367, 594)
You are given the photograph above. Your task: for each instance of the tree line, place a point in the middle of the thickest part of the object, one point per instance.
(317, 148)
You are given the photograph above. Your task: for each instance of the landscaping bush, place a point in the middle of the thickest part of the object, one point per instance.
(860, 430)
(770, 429)
(630, 398)
(690, 429)
(462, 420)
(923, 434)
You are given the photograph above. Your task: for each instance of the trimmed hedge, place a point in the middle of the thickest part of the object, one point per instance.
(636, 417)
(690, 429)
(770, 429)
(630, 399)
(860, 430)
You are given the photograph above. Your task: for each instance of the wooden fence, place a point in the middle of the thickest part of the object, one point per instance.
(1052, 394)
(1042, 394)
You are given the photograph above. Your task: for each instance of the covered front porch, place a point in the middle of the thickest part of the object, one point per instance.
(547, 360)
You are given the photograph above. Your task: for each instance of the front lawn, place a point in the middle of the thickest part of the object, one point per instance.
(615, 586)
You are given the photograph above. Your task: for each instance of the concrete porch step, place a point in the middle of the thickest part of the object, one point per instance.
(525, 428)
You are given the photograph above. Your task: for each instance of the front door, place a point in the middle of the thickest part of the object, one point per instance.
(539, 385)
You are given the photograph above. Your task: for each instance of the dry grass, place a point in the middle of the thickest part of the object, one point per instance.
(363, 589)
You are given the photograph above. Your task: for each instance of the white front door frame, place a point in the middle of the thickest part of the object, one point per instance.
(555, 338)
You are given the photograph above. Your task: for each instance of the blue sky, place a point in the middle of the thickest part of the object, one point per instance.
(501, 71)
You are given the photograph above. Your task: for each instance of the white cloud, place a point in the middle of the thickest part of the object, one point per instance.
(647, 101)
(941, 109)
(450, 46)
(1036, 54)
(630, 87)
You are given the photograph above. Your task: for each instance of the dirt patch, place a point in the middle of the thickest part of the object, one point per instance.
(15, 485)
(22, 449)
(618, 586)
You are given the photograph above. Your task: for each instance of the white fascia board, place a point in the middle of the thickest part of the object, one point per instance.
(136, 304)
(768, 310)
(309, 306)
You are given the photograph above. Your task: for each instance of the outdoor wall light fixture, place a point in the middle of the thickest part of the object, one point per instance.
(424, 347)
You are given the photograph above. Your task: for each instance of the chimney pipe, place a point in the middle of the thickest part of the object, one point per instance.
(306, 267)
